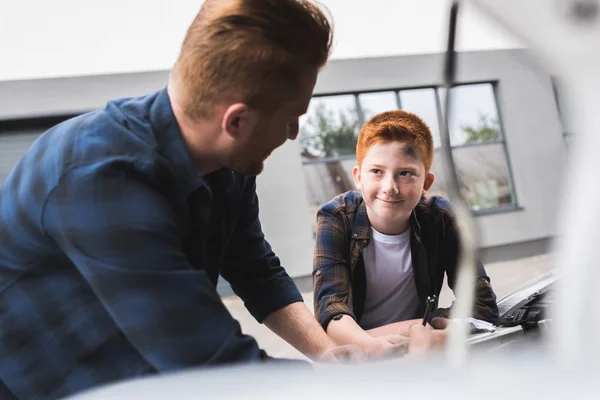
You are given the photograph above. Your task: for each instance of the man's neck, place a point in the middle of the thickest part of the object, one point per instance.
(200, 138)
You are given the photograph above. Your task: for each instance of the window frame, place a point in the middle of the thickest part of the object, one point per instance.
(513, 206)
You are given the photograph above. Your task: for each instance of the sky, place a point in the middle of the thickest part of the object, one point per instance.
(43, 39)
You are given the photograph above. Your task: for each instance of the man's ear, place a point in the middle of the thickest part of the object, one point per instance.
(356, 175)
(429, 178)
(238, 120)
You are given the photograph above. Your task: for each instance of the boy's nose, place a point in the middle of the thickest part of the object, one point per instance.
(391, 187)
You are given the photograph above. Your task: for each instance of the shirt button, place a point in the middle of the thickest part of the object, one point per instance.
(318, 273)
(355, 235)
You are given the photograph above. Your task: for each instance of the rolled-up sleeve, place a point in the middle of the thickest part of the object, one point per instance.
(122, 236)
(331, 269)
(252, 268)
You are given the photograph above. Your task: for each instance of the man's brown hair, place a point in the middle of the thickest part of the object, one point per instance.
(250, 51)
(393, 126)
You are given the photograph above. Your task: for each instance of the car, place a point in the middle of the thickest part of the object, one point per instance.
(524, 316)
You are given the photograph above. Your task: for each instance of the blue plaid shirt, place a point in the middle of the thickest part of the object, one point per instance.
(110, 250)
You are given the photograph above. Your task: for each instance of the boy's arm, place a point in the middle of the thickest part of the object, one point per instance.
(331, 269)
(346, 331)
(485, 307)
(401, 327)
(331, 278)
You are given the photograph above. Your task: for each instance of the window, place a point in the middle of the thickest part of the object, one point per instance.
(327, 138)
(372, 104)
(329, 130)
(478, 148)
(422, 102)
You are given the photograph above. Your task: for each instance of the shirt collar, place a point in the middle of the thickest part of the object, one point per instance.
(170, 140)
(173, 148)
(361, 226)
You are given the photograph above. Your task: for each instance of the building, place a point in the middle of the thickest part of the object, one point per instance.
(506, 131)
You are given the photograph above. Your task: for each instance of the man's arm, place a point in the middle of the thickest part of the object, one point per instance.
(271, 296)
(122, 236)
(298, 327)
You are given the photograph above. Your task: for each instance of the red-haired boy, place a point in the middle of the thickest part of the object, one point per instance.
(382, 250)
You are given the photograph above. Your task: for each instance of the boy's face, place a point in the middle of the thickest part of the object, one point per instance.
(392, 179)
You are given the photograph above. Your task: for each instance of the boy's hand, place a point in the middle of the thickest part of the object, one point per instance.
(423, 340)
(440, 323)
(381, 347)
(388, 346)
(344, 353)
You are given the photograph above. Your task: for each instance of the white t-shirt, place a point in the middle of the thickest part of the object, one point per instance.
(391, 292)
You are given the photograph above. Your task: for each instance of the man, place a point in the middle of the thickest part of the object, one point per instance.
(116, 224)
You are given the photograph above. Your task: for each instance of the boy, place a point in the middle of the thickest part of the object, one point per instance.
(383, 250)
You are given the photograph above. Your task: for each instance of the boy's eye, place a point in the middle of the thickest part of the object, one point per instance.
(376, 171)
(407, 173)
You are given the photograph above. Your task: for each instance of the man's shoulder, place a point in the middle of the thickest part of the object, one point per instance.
(346, 203)
(121, 128)
(117, 131)
(94, 139)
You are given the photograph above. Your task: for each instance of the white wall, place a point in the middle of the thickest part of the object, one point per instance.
(61, 38)
(284, 213)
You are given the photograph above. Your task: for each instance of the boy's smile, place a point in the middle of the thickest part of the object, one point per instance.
(392, 179)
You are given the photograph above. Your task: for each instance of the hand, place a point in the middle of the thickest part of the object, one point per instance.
(388, 345)
(345, 353)
(441, 323)
(425, 340)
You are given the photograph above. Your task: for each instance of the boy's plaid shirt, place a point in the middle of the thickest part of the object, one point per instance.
(343, 231)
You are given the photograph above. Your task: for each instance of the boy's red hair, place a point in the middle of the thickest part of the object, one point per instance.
(399, 126)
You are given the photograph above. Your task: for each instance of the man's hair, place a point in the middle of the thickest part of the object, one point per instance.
(398, 126)
(250, 51)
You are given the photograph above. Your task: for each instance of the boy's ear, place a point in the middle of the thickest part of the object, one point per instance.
(356, 175)
(429, 178)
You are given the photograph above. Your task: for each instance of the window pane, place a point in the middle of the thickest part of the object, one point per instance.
(483, 171)
(329, 127)
(328, 142)
(474, 115)
(324, 180)
(422, 103)
(375, 103)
